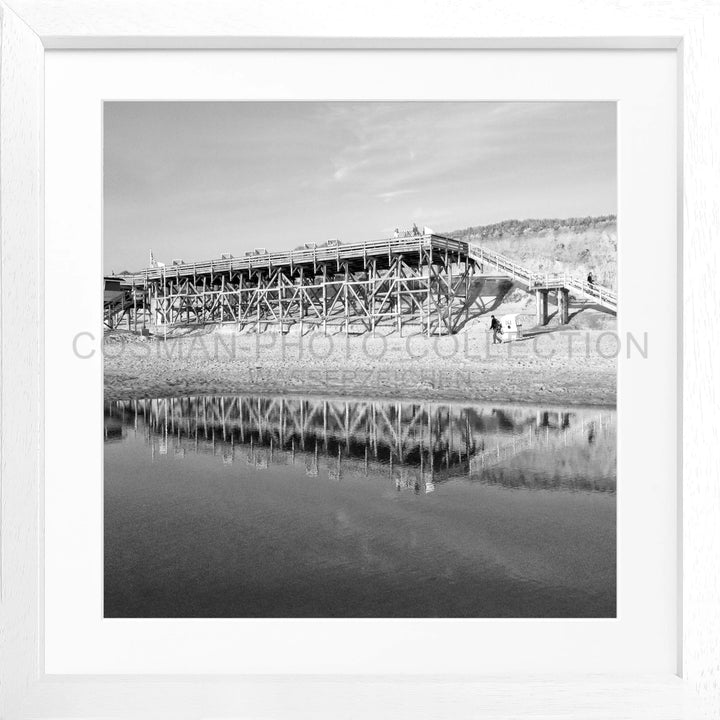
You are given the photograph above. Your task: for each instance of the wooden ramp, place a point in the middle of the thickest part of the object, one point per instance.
(563, 284)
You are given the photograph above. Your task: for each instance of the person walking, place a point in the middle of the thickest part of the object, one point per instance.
(590, 278)
(496, 328)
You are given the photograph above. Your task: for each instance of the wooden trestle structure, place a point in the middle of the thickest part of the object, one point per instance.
(421, 281)
(427, 283)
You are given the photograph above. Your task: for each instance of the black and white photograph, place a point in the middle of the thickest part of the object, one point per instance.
(360, 359)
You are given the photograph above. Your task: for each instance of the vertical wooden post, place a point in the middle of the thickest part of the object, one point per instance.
(302, 300)
(560, 309)
(257, 300)
(152, 305)
(467, 288)
(373, 289)
(398, 309)
(280, 300)
(164, 303)
(239, 302)
(222, 299)
(347, 300)
(439, 312)
(146, 302)
(196, 298)
(563, 306)
(451, 293)
(428, 312)
(324, 298)
(541, 303)
(212, 278)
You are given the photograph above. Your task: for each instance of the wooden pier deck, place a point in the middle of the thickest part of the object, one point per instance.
(426, 283)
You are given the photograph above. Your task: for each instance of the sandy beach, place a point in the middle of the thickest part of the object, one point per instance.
(554, 368)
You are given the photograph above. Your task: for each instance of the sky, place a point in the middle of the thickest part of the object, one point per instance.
(193, 180)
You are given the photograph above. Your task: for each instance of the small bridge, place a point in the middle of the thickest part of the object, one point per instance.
(425, 283)
(562, 284)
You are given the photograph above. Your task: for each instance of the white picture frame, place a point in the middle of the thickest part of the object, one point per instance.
(689, 28)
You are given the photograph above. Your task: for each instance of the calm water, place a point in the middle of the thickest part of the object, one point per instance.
(306, 507)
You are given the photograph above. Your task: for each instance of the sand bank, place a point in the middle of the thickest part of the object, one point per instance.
(555, 368)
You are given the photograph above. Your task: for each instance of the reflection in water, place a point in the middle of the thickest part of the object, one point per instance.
(425, 443)
(296, 506)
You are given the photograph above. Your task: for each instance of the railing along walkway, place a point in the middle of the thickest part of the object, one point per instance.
(538, 281)
(303, 256)
(522, 276)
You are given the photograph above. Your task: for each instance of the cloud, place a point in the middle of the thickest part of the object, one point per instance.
(392, 194)
(199, 178)
(344, 168)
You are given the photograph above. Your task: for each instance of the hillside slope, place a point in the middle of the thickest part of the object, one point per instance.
(574, 245)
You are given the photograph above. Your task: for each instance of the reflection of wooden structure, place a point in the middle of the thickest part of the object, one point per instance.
(426, 283)
(418, 444)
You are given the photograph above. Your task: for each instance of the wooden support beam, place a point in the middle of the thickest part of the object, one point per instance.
(428, 298)
(302, 300)
(134, 297)
(398, 309)
(222, 299)
(541, 307)
(563, 297)
(281, 300)
(346, 288)
(239, 300)
(257, 307)
(324, 299)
